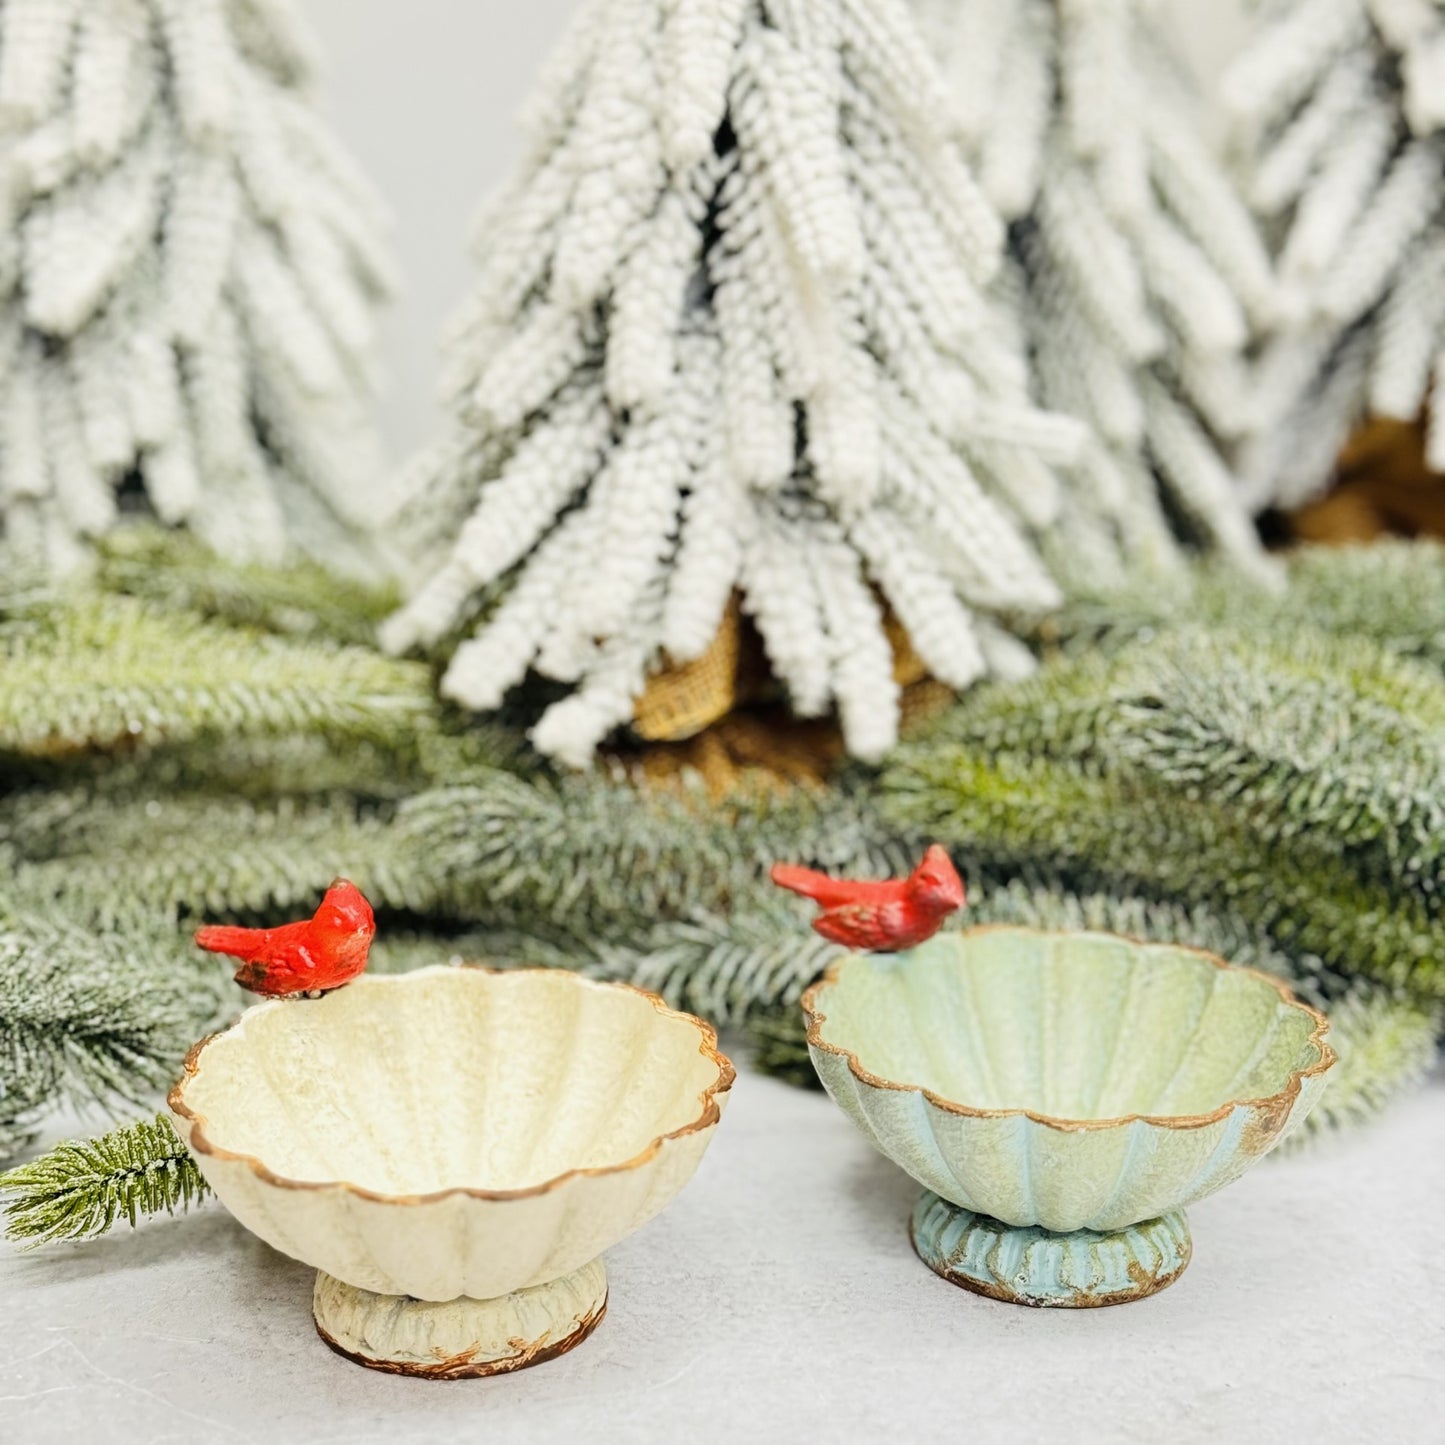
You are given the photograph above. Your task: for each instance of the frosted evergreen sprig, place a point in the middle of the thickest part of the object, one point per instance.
(1140, 273)
(731, 969)
(1391, 592)
(91, 1016)
(121, 861)
(111, 672)
(191, 273)
(631, 856)
(734, 333)
(154, 673)
(172, 569)
(1298, 779)
(1327, 741)
(81, 1188)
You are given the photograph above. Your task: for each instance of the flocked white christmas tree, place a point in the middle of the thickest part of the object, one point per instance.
(1142, 274)
(738, 330)
(1341, 110)
(189, 269)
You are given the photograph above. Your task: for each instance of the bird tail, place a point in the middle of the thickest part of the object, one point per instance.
(811, 884)
(223, 938)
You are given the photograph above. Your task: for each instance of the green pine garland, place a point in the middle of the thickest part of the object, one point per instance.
(1300, 779)
(121, 862)
(176, 571)
(108, 673)
(83, 1187)
(1391, 593)
(91, 1016)
(592, 852)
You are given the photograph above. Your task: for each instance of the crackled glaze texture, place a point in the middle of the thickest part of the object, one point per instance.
(453, 1132)
(1069, 1081)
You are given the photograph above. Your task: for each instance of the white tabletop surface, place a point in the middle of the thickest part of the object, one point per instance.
(778, 1300)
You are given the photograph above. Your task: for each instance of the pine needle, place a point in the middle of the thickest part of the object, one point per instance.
(114, 672)
(1298, 780)
(81, 1188)
(1391, 593)
(175, 570)
(596, 851)
(190, 855)
(92, 1017)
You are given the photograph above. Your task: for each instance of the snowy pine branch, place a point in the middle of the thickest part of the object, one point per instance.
(1301, 779)
(174, 570)
(491, 847)
(1392, 592)
(108, 672)
(90, 1016)
(186, 855)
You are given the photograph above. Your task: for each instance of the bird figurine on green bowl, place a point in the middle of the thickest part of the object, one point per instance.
(1062, 1097)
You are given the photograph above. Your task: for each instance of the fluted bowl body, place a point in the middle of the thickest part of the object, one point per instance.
(1067, 1081)
(454, 1131)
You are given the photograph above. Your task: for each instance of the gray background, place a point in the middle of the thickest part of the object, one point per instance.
(425, 91)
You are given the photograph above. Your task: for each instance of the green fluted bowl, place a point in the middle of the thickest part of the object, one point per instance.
(1062, 1097)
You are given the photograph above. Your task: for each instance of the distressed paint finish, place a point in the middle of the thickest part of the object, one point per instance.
(453, 1133)
(460, 1338)
(1065, 1082)
(1081, 1270)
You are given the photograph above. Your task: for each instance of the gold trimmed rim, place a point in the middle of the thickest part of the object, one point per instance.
(1284, 1099)
(709, 1116)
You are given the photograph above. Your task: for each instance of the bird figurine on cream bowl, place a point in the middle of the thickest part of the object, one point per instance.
(1062, 1097)
(453, 1150)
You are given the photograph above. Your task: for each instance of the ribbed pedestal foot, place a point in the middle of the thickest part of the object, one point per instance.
(460, 1338)
(1030, 1266)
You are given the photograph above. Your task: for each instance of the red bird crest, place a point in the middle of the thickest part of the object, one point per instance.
(885, 917)
(320, 953)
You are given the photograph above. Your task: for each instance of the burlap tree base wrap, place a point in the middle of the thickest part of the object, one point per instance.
(1384, 488)
(722, 717)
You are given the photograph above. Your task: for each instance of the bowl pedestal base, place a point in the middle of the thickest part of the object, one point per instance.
(460, 1338)
(1032, 1266)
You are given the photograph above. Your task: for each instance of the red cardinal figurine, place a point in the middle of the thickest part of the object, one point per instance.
(880, 917)
(321, 952)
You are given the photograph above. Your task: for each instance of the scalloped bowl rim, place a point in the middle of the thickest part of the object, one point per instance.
(709, 1115)
(1285, 1097)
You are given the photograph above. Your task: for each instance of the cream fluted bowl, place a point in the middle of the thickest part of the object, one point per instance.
(453, 1150)
(1063, 1096)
